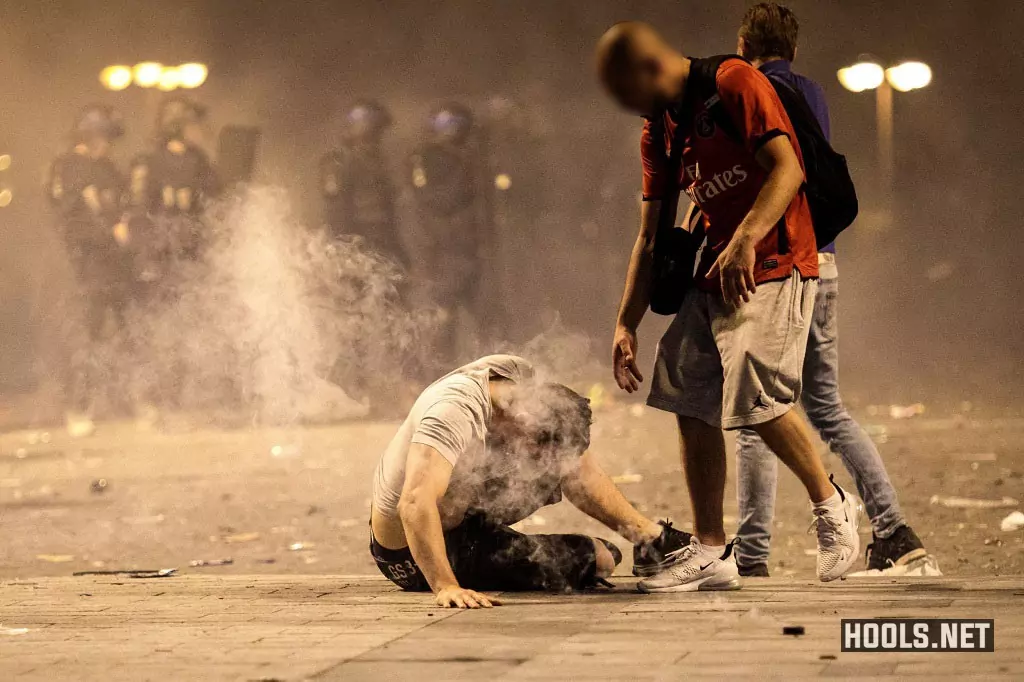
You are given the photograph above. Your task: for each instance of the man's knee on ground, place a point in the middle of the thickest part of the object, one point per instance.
(606, 556)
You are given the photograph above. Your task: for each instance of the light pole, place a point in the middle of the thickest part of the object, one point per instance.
(904, 77)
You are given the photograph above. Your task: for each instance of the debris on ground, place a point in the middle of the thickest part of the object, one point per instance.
(12, 631)
(300, 546)
(976, 457)
(794, 630)
(241, 537)
(906, 411)
(597, 396)
(313, 509)
(1015, 521)
(198, 563)
(971, 503)
(347, 523)
(143, 520)
(99, 486)
(266, 561)
(636, 411)
(628, 478)
(56, 558)
(133, 573)
(284, 451)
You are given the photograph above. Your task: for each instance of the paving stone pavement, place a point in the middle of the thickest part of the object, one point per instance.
(327, 628)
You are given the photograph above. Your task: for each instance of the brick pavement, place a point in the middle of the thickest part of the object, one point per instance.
(192, 627)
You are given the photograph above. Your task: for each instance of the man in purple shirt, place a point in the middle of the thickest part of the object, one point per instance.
(767, 38)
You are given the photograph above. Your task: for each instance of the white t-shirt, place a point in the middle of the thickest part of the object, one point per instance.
(452, 416)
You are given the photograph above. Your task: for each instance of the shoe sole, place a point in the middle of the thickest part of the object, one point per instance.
(648, 571)
(854, 554)
(703, 585)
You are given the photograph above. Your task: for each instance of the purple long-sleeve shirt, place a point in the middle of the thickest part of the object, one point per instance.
(812, 92)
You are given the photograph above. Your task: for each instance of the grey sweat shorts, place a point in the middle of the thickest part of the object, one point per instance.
(735, 367)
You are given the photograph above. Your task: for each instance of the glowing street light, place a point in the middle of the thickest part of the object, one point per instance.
(909, 76)
(868, 75)
(192, 75)
(147, 74)
(116, 77)
(861, 77)
(170, 79)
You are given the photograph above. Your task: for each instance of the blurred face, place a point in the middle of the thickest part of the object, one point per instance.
(193, 133)
(510, 434)
(640, 90)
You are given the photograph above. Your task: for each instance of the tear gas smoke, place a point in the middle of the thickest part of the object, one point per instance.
(278, 320)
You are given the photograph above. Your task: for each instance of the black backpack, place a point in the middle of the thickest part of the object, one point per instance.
(831, 195)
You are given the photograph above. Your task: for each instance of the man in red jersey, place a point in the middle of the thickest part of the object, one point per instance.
(732, 357)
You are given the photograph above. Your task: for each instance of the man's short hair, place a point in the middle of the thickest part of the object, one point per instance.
(558, 417)
(769, 30)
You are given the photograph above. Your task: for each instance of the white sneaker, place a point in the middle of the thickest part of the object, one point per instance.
(694, 569)
(838, 542)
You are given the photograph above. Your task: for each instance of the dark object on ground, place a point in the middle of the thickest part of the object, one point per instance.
(99, 486)
(827, 657)
(133, 573)
(899, 548)
(210, 562)
(754, 571)
(650, 558)
(794, 630)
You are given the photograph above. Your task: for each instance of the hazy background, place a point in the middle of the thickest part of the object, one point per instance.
(930, 303)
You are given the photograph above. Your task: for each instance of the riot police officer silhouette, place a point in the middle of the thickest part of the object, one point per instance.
(86, 191)
(446, 181)
(356, 184)
(169, 188)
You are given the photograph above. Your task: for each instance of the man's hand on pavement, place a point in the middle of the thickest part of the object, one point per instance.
(461, 598)
(624, 348)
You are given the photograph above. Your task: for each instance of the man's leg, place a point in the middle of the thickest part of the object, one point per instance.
(491, 556)
(841, 433)
(703, 451)
(757, 471)
(763, 345)
(688, 382)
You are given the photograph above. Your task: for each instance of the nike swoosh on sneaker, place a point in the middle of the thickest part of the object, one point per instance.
(705, 567)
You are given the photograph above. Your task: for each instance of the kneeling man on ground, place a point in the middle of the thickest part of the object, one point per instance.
(485, 447)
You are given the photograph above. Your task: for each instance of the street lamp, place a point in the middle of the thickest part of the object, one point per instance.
(154, 75)
(904, 77)
(116, 77)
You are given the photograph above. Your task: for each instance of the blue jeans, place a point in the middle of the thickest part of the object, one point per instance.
(757, 466)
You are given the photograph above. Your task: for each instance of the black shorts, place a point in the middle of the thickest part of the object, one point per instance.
(490, 556)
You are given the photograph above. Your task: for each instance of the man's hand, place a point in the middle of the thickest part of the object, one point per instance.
(735, 265)
(627, 374)
(461, 598)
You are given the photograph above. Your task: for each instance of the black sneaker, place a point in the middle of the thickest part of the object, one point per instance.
(754, 571)
(898, 549)
(649, 557)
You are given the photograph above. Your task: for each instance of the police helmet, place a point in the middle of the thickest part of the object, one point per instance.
(97, 120)
(175, 114)
(366, 119)
(451, 122)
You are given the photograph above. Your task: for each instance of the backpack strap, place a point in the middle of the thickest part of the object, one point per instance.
(702, 86)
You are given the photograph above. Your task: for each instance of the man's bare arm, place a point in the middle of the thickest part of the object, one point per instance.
(591, 490)
(736, 262)
(636, 296)
(785, 177)
(427, 474)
